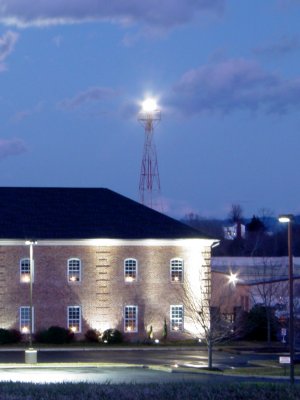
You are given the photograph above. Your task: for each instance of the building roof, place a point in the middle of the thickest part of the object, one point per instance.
(256, 270)
(82, 213)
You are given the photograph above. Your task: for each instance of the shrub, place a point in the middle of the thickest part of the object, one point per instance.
(8, 336)
(55, 335)
(112, 336)
(92, 335)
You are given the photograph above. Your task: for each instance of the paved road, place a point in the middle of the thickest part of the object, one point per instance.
(193, 357)
(154, 358)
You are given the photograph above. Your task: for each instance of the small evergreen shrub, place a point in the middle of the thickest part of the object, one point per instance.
(92, 335)
(112, 336)
(55, 335)
(9, 336)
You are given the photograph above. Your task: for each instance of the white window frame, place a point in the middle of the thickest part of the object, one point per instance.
(176, 318)
(24, 323)
(130, 270)
(74, 323)
(176, 270)
(74, 271)
(131, 322)
(25, 270)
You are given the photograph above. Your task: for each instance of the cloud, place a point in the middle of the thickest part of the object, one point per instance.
(12, 147)
(7, 44)
(92, 94)
(24, 114)
(283, 46)
(234, 84)
(166, 14)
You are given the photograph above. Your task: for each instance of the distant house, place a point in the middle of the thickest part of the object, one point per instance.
(242, 282)
(101, 261)
(231, 232)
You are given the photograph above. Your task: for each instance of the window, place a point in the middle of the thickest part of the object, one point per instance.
(130, 270)
(130, 318)
(25, 270)
(25, 319)
(176, 317)
(176, 266)
(74, 270)
(74, 318)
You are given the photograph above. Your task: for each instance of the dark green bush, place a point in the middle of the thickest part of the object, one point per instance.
(92, 335)
(54, 335)
(8, 336)
(112, 336)
(256, 323)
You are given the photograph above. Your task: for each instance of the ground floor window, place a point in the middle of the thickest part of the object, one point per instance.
(74, 318)
(176, 317)
(130, 318)
(25, 319)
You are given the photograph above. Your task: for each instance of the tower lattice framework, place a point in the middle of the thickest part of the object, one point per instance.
(149, 186)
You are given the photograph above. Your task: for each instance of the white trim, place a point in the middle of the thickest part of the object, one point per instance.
(80, 318)
(171, 319)
(68, 270)
(182, 269)
(32, 322)
(25, 277)
(136, 269)
(136, 319)
(114, 242)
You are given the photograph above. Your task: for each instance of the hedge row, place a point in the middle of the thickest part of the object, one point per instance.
(59, 335)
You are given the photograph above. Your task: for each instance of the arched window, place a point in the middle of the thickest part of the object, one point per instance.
(130, 270)
(25, 270)
(74, 270)
(176, 270)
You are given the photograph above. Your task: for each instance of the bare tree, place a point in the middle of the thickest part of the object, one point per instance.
(268, 286)
(204, 318)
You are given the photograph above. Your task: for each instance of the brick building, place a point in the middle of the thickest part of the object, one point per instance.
(101, 261)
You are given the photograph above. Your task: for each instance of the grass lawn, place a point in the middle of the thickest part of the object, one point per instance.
(172, 391)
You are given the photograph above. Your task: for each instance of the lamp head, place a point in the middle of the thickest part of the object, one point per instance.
(285, 218)
(232, 278)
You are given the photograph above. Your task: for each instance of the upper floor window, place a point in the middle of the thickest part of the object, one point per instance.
(176, 317)
(25, 319)
(74, 270)
(130, 270)
(25, 270)
(130, 318)
(176, 270)
(74, 318)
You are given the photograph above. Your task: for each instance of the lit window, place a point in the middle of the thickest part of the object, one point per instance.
(176, 317)
(176, 270)
(130, 270)
(25, 319)
(74, 318)
(130, 318)
(25, 270)
(74, 270)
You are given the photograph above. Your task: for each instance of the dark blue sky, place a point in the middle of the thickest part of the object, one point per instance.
(226, 75)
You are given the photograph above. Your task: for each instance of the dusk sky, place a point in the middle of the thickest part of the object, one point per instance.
(225, 73)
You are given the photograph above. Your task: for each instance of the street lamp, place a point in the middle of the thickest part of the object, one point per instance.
(288, 218)
(31, 354)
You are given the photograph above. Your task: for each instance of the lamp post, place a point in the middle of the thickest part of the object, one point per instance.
(31, 354)
(288, 218)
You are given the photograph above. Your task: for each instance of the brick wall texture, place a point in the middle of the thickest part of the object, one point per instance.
(102, 292)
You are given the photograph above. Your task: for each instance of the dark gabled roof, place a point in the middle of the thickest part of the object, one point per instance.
(82, 213)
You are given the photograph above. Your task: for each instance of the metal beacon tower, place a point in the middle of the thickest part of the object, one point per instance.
(149, 186)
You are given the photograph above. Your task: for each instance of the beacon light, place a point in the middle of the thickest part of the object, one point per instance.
(149, 105)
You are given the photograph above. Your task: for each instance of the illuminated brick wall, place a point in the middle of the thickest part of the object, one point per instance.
(102, 292)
